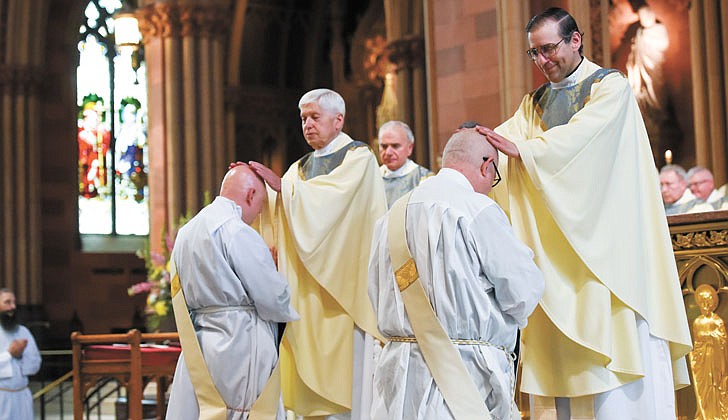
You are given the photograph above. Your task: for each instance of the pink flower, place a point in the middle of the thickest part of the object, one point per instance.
(158, 259)
(138, 288)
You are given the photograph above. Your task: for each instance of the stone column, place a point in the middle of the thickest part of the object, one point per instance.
(21, 74)
(188, 146)
(709, 58)
(406, 37)
(515, 69)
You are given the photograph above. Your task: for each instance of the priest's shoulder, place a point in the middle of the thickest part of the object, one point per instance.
(595, 77)
(355, 144)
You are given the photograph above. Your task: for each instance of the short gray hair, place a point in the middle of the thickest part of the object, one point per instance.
(466, 146)
(677, 169)
(697, 169)
(326, 98)
(394, 124)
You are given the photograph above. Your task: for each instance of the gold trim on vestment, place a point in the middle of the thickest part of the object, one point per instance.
(406, 274)
(175, 286)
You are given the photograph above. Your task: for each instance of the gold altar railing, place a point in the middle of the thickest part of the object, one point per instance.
(700, 243)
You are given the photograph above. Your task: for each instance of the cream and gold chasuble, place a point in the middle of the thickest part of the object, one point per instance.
(585, 197)
(329, 207)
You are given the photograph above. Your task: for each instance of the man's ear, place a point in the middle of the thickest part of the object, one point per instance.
(339, 122)
(249, 197)
(484, 166)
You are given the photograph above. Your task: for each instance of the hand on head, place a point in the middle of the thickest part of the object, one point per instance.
(270, 177)
(499, 142)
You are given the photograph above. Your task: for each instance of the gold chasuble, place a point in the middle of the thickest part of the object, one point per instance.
(585, 197)
(329, 207)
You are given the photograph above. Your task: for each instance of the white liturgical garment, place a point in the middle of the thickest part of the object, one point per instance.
(235, 297)
(482, 283)
(16, 401)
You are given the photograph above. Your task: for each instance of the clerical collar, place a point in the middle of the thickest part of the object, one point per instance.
(573, 78)
(337, 143)
(403, 170)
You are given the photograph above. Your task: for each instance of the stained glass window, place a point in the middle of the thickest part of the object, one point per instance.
(113, 197)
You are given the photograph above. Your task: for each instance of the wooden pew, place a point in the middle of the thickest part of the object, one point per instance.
(122, 357)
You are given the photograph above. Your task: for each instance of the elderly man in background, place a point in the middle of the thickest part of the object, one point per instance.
(19, 358)
(400, 174)
(479, 278)
(328, 202)
(702, 185)
(582, 192)
(235, 299)
(676, 196)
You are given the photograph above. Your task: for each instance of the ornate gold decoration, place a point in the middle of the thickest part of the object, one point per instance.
(699, 239)
(709, 358)
(688, 268)
(376, 60)
(387, 108)
(406, 274)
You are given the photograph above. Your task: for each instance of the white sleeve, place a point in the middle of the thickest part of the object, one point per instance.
(252, 261)
(6, 367)
(508, 264)
(30, 362)
(376, 266)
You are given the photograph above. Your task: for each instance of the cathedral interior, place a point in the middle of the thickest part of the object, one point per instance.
(223, 78)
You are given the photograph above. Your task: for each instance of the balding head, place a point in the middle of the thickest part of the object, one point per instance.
(246, 189)
(469, 153)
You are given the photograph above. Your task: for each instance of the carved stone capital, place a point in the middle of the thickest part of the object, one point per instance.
(182, 20)
(407, 52)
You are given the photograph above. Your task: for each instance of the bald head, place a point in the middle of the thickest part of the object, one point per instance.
(246, 189)
(469, 153)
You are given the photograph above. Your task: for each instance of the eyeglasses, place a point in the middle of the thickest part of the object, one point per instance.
(497, 178)
(547, 51)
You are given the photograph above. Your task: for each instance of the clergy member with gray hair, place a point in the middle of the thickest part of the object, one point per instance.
(399, 172)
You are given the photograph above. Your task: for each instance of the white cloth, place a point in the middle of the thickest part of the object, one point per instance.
(16, 401)
(407, 167)
(714, 196)
(363, 373)
(236, 297)
(482, 283)
(642, 399)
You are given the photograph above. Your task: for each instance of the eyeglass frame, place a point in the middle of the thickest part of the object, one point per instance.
(533, 53)
(497, 177)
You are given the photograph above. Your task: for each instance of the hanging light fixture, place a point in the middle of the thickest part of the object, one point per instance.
(127, 36)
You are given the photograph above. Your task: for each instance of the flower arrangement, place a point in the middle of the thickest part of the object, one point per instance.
(157, 284)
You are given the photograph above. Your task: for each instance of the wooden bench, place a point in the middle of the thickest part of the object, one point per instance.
(123, 357)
